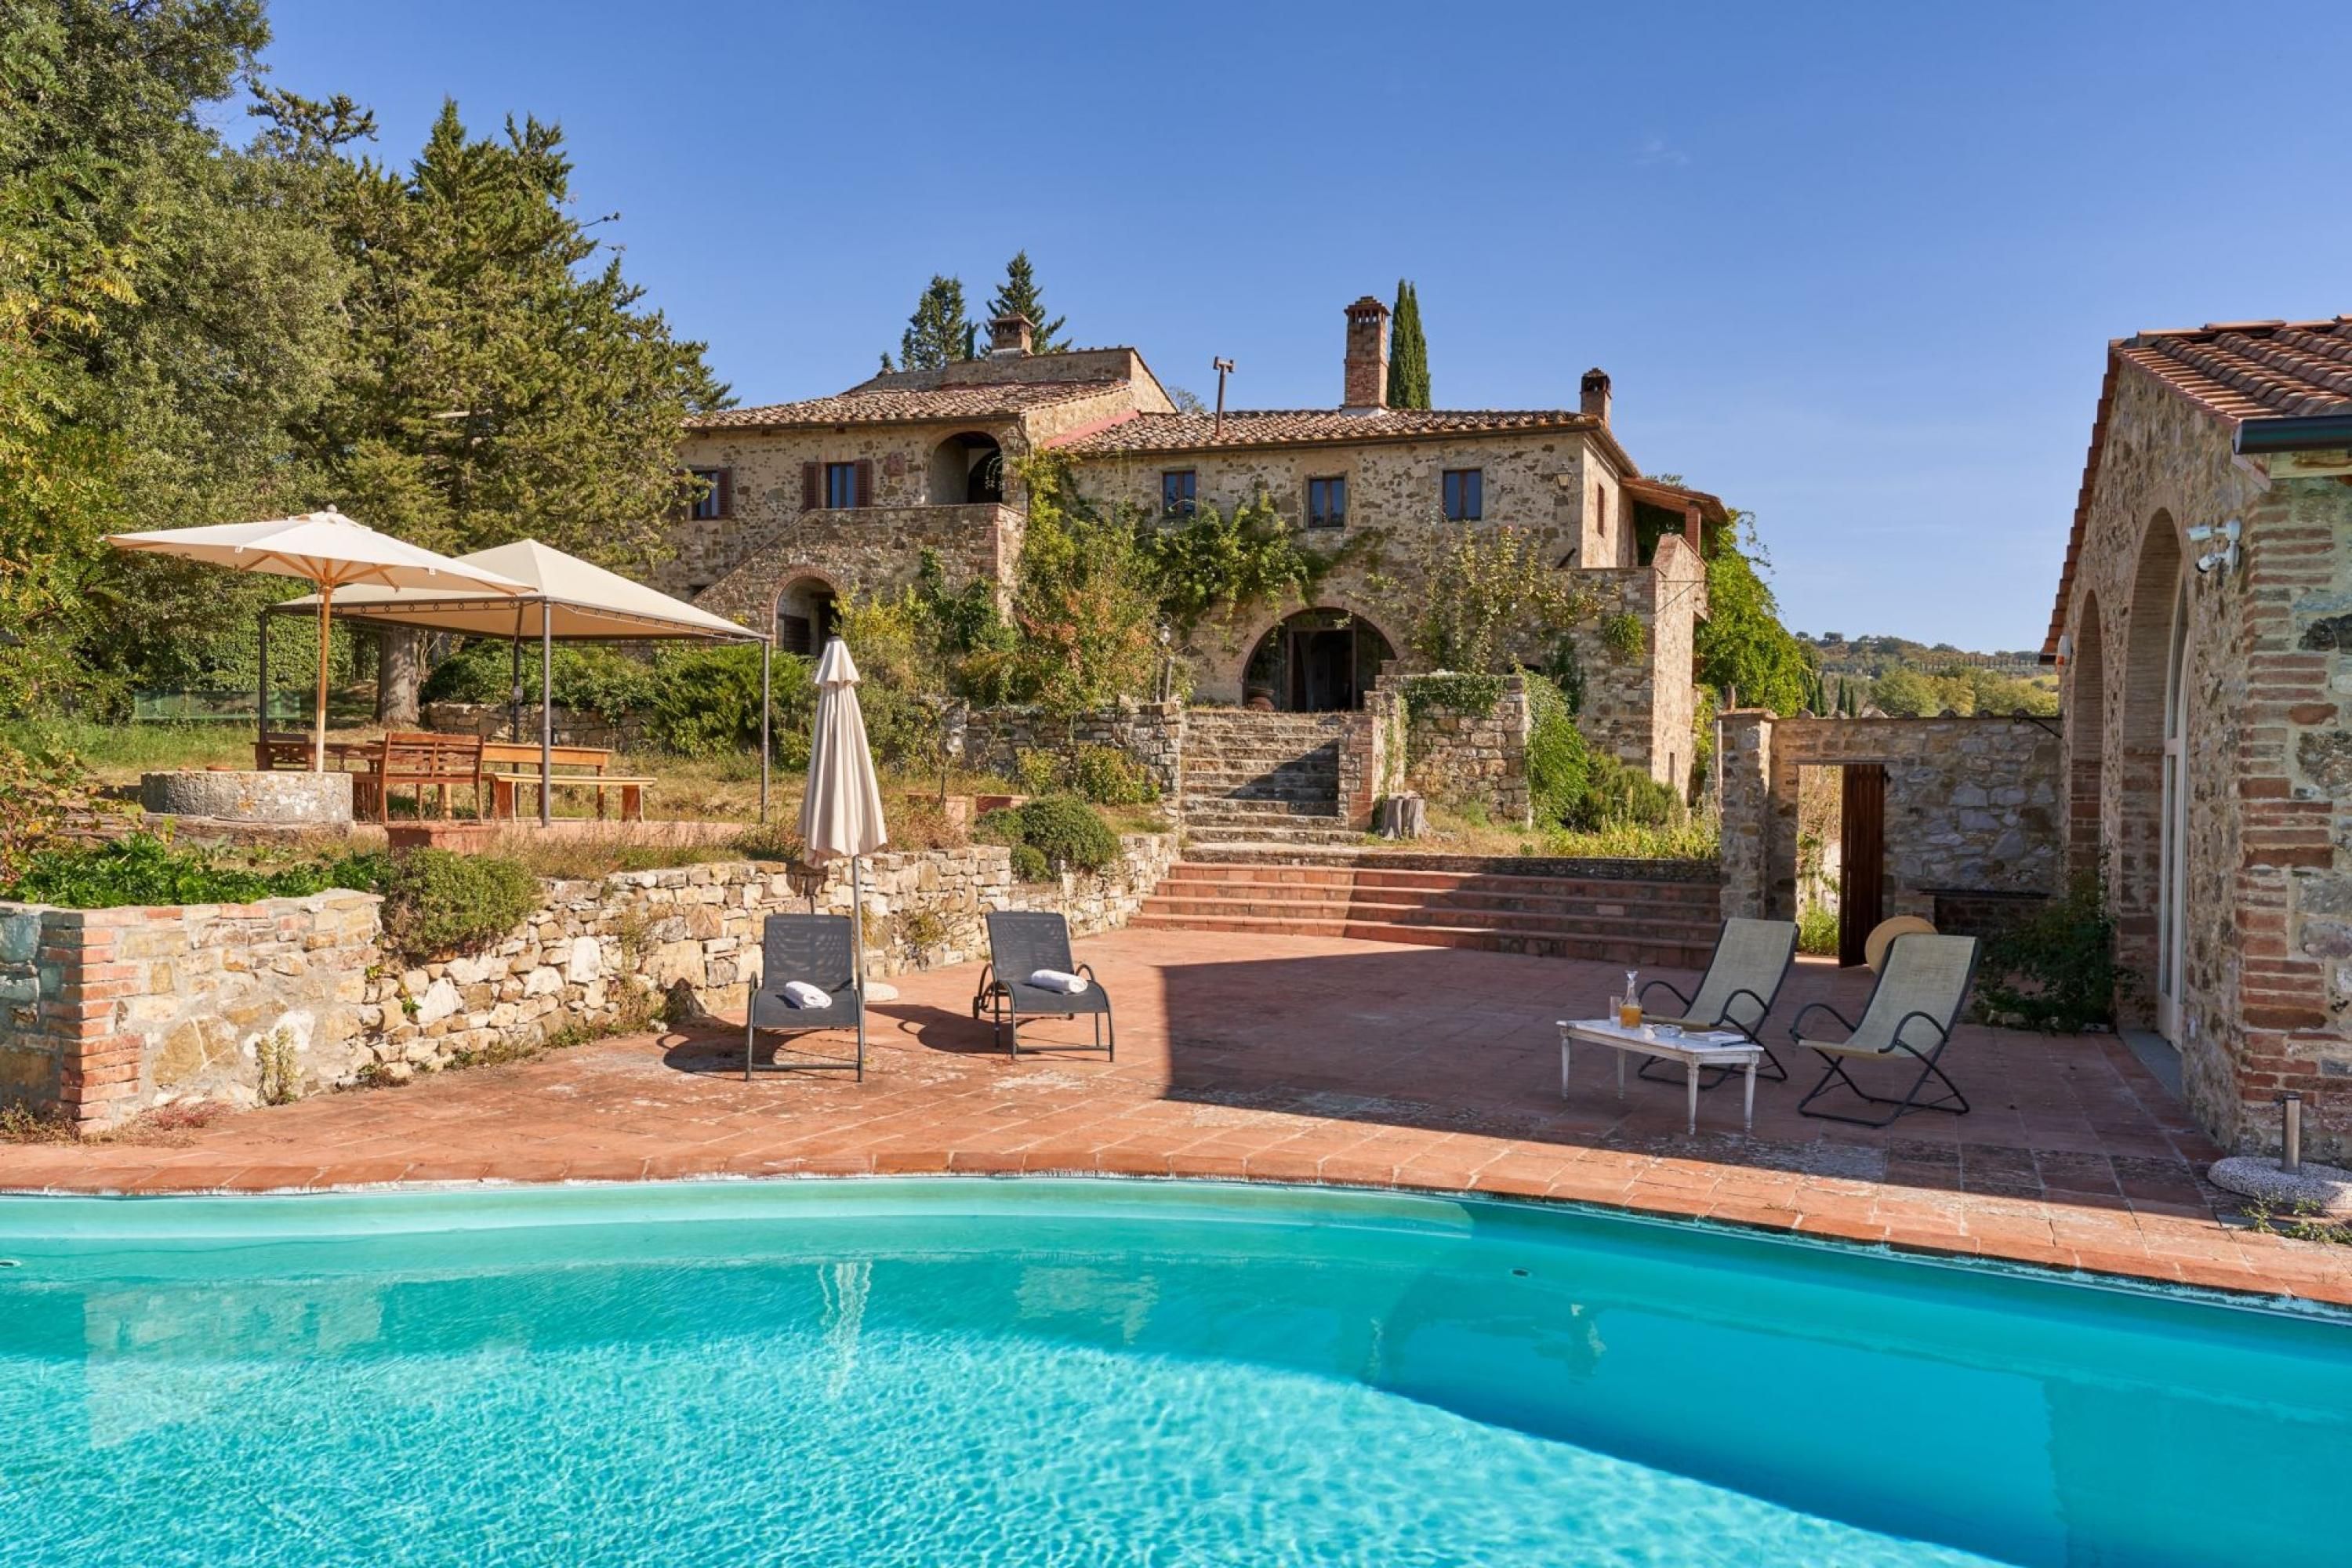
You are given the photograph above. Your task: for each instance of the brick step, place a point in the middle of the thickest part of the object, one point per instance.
(1701, 897)
(1473, 907)
(1626, 950)
(1537, 922)
(1232, 808)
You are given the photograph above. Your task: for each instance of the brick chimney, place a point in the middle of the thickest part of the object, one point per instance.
(1008, 337)
(1368, 355)
(1592, 394)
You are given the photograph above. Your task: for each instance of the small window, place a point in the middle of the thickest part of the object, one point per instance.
(840, 485)
(1178, 489)
(1465, 494)
(1326, 503)
(712, 505)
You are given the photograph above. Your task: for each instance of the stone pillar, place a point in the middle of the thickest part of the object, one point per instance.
(1747, 770)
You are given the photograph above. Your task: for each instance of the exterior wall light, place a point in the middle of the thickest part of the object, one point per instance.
(2223, 557)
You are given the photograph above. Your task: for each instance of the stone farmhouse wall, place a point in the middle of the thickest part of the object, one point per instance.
(1972, 805)
(2265, 988)
(1152, 733)
(1642, 709)
(1470, 758)
(864, 550)
(107, 1013)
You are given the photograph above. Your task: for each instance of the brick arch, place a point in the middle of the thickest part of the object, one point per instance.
(1231, 668)
(2136, 759)
(2087, 735)
(794, 578)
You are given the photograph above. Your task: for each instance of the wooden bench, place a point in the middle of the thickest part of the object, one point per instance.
(422, 760)
(511, 768)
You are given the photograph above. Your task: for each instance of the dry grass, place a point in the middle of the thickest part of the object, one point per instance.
(1454, 832)
(165, 1125)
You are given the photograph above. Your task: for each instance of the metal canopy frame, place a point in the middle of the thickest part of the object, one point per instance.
(418, 615)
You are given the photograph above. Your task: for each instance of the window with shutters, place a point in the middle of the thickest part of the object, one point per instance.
(716, 498)
(1327, 503)
(1177, 489)
(1463, 491)
(841, 485)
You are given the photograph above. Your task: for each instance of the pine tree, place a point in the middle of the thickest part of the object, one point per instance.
(1408, 351)
(1020, 296)
(939, 332)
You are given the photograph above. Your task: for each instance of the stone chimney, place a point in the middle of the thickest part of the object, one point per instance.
(1008, 337)
(1592, 394)
(1368, 355)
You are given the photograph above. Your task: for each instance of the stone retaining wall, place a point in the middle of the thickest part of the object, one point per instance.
(1470, 758)
(573, 727)
(107, 1013)
(992, 738)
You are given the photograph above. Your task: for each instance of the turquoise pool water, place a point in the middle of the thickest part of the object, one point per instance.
(1012, 1373)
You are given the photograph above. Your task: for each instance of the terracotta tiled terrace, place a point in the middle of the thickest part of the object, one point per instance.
(1303, 1059)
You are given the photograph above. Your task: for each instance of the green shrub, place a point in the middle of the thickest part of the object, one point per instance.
(143, 870)
(436, 903)
(1030, 865)
(1000, 826)
(1616, 794)
(1817, 929)
(1037, 772)
(1625, 636)
(600, 680)
(1558, 763)
(1108, 776)
(705, 701)
(2056, 969)
(1067, 832)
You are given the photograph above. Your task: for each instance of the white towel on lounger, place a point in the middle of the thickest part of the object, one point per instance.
(801, 994)
(1056, 980)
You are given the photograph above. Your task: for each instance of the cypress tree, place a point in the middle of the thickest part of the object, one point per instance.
(1020, 296)
(939, 332)
(1408, 351)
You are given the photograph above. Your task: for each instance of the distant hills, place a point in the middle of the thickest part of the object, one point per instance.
(1896, 676)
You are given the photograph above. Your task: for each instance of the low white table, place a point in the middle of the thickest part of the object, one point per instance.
(1695, 1051)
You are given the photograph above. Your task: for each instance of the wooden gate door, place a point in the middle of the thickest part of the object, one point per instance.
(1861, 851)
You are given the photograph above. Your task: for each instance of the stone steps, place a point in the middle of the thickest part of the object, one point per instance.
(1253, 779)
(1629, 920)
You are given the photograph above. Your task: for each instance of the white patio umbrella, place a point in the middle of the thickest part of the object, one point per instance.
(841, 815)
(327, 550)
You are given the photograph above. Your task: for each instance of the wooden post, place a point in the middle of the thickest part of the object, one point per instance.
(319, 724)
(546, 711)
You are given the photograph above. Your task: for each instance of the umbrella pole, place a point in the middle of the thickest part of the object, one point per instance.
(319, 724)
(857, 924)
(514, 686)
(767, 654)
(546, 713)
(261, 697)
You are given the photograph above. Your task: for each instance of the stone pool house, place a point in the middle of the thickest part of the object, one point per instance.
(2204, 626)
(814, 499)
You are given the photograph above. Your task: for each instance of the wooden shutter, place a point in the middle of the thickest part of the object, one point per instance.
(811, 486)
(726, 492)
(864, 481)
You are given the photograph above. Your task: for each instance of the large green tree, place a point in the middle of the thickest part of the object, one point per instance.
(939, 333)
(1408, 351)
(1742, 649)
(1019, 295)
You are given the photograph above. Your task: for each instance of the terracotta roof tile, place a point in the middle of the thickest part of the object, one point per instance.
(2236, 371)
(1276, 427)
(893, 405)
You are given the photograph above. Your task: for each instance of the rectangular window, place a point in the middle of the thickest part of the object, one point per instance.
(1327, 503)
(1465, 493)
(1177, 489)
(840, 485)
(712, 505)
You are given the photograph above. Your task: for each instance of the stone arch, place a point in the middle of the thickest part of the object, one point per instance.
(2087, 735)
(1370, 648)
(967, 468)
(804, 609)
(2135, 837)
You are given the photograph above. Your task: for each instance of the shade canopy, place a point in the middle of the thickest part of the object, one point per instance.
(562, 596)
(325, 547)
(841, 815)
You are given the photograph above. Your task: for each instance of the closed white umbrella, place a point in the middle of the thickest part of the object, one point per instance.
(328, 550)
(841, 815)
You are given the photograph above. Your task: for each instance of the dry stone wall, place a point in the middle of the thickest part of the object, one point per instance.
(993, 739)
(107, 1013)
(1469, 759)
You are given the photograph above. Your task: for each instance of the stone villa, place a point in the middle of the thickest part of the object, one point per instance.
(2204, 624)
(811, 500)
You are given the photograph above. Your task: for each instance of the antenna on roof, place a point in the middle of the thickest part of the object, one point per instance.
(1224, 367)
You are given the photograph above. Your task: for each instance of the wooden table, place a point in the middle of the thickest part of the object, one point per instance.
(520, 772)
(1694, 1050)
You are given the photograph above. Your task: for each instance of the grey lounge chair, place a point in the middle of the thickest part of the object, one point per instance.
(1910, 1016)
(818, 949)
(1018, 945)
(1744, 976)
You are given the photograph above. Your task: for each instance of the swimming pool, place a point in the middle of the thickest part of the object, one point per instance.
(1093, 1372)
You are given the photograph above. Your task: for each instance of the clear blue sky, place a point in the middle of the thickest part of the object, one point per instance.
(1853, 268)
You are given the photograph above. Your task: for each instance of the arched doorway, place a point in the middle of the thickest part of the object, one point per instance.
(2149, 844)
(806, 615)
(2087, 737)
(1317, 661)
(967, 469)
